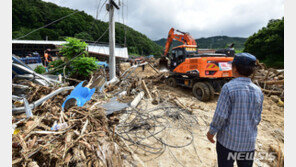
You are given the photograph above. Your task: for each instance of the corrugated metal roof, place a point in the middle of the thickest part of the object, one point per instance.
(120, 52)
(38, 42)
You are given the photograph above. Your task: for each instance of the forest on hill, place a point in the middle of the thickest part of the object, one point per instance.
(28, 15)
(268, 43)
(216, 42)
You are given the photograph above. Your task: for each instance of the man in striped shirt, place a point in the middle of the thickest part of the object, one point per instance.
(237, 115)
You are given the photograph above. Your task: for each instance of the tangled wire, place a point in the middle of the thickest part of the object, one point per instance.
(150, 129)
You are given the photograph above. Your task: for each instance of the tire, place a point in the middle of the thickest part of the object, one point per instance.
(212, 90)
(201, 91)
(222, 82)
(217, 85)
(172, 82)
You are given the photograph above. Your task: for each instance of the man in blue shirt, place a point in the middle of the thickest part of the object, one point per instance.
(237, 115)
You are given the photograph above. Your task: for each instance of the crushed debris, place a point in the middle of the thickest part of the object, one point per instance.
(129, 122)
(270, 80)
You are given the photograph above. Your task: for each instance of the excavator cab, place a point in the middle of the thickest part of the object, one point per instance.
(228, 51)
(179, 54)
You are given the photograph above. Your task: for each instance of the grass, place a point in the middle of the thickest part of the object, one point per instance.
(239, 50)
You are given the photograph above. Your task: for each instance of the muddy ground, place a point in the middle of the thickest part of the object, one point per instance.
(202, 152)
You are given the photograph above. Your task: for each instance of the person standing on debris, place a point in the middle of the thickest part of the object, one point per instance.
(143, 66)
(237, 115)
(131, 62)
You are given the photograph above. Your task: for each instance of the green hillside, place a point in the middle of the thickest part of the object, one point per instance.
(268, 43)
(28, 15)
(215, 42)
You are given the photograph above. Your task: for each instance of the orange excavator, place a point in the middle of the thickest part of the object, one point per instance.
(205, 73)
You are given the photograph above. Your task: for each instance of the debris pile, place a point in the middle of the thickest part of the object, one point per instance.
(125, 118)
(270, 80)
(46, 134)
(79, 136)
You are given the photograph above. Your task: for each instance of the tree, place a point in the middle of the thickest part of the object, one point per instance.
(28, 15)
(73, 47)
(268, 44)
(81, 67)
(84, 36)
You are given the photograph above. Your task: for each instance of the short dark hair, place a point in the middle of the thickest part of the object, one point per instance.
(243, 69)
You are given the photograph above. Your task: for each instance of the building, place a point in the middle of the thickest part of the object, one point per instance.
(22, 48)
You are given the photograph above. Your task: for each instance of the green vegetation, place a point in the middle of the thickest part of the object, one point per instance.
(40, 69)
(239, 50)
(83, 66)
(80, 67)
(52, 65)
(268, 44)
(28, 15)
(216, 42)
(73, 48)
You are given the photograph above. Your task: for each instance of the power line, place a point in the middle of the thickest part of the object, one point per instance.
(48, 24)
(102, 35)
(97, 13)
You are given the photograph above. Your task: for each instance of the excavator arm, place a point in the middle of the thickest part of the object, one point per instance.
(184, 37)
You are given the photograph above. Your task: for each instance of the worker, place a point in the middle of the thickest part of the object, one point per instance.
(131, 62)
(237, 115)
(143, 66)
(45, 58)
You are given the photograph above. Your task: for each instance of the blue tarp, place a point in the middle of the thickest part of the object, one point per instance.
(102, 63)
(16, 70)
(31, 60)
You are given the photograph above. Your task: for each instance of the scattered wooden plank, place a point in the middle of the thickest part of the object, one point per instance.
(146, 89)
(278, 82)
(16, 161)
(272, 92)
(137, 99)
(179, 103)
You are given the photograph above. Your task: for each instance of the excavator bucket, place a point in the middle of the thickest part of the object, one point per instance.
(163, 64)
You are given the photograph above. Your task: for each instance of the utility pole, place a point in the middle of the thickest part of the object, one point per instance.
(112, 60)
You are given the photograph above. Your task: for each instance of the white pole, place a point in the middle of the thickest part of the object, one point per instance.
(112, 69)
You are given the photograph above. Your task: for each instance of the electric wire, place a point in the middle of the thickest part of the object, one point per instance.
(48, 24)
(142, 125)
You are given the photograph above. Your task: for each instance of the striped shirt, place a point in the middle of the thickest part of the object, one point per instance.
(237, 115)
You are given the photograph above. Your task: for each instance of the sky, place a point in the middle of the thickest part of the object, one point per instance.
(201, 18)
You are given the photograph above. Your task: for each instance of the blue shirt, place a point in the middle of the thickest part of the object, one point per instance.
(238, 114)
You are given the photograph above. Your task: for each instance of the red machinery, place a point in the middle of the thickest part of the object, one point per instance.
(204, 73)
